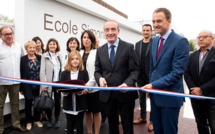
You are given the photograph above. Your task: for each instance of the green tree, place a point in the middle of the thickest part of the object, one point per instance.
(192, 45)
(6, 19)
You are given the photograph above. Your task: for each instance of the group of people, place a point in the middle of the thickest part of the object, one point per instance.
(50, 66)
(169, 60)
(154, 63)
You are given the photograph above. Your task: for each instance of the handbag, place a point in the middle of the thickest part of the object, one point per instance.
(44, 102)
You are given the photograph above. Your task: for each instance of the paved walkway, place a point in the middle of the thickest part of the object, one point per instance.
(186, 124)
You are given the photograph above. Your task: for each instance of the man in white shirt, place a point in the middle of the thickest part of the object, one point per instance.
(10, 54)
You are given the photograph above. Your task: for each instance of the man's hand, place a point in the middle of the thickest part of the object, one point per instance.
(148, 86)
(102, 82)
(123, 85)
(196, 91)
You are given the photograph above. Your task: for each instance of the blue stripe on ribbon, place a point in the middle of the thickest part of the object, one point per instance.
(62, 85)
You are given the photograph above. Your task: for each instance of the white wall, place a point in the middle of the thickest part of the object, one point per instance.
(40, 17)
(62, 19)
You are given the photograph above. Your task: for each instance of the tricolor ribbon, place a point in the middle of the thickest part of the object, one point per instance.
(62, 85)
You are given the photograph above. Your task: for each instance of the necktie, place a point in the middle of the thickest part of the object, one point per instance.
(160, 47)
(112, 55)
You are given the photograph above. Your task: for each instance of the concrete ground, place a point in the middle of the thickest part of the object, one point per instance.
(186, 123)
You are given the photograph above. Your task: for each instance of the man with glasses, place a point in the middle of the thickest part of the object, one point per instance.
(200, 79)
(10, 54)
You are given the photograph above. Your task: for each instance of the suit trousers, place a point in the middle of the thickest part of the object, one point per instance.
(75, 121)
(113, 108)
(104, 116)
(204, 113)
(165, 119)
(142, 99)
(13, 91)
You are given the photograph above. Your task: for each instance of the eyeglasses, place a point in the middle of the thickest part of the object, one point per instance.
(7, 34)
(203, 37)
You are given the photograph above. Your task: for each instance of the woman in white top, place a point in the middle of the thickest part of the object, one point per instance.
(88, 52)
(50, 71)
(72, 44)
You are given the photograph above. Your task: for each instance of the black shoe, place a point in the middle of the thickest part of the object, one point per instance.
(19, 128)
(57, 124)
(49, 124)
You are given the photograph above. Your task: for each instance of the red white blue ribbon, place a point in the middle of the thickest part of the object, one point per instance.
(62, 85)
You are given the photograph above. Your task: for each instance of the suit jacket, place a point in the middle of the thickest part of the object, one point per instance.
(166, 71)
(81, 102)
(24, 70)
(125, 70)
(143, 77)
(206, 78)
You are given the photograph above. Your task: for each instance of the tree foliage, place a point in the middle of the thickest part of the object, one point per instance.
(6, 19)
(192, 45)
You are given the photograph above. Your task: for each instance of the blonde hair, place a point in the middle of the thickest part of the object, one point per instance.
(28, 43)
(68, 66)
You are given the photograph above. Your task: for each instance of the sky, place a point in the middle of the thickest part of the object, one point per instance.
(189, 17)
(7, 8)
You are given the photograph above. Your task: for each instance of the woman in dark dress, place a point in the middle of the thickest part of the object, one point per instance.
(30, 69)
(40, 50)
(88, 52)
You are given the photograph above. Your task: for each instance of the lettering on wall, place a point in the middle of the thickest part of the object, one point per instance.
(52, 24)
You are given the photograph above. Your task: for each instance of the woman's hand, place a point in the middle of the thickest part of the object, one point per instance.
(21, 92)
(65, 93)
(45, 89)
(83, 92)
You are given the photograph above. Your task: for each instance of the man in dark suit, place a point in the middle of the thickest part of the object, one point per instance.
(169, 58)
(116, 65)
(142, 49)
(200, 79)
